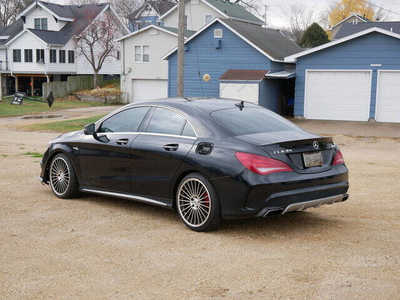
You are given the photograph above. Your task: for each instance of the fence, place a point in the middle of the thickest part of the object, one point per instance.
(74, 83)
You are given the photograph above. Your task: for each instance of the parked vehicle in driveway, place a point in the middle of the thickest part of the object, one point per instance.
(208, 159)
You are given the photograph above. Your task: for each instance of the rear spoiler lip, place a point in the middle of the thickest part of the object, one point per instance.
(290, 144)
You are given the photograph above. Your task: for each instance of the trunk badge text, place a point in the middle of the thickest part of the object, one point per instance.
(283, 151)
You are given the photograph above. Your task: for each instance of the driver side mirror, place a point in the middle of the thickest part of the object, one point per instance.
(90, 129)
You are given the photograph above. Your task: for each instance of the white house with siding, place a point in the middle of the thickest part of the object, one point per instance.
(39, 46)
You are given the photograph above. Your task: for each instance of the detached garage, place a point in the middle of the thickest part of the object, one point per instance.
(149, 89)
(355, 78)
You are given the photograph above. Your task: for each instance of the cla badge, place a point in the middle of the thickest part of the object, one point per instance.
(316, 145)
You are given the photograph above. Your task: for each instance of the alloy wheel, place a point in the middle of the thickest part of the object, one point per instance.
(194, 203)
(60, 176)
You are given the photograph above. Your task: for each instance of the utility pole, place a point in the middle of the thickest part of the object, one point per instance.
(181, 48)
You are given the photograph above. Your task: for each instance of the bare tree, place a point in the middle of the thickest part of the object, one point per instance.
(97, 42)
(9, 10)
(125, 7)
(300, 19)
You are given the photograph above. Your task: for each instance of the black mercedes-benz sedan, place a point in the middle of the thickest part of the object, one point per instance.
(208, 159)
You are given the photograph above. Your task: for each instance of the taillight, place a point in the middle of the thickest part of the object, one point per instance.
(338, 159)
(261, 164)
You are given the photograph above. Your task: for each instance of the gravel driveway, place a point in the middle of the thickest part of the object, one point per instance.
(103, 248)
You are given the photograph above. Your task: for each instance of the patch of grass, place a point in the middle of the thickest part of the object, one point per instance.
(33, 154)
(63, 126)
(30, 107)
(4, 155)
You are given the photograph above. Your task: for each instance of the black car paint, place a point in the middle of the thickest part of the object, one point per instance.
(142, 167)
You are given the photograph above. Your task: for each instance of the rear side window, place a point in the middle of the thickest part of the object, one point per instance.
(126, 121)
(166, 121)
(251, 120)
(188, 130)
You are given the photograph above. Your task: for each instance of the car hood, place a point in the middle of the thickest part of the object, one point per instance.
(266, 138)
(67, 136)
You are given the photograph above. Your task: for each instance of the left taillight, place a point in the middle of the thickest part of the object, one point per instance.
(261, 164)
(338, 159)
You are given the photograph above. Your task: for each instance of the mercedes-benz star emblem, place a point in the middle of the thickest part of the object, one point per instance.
(316, 145)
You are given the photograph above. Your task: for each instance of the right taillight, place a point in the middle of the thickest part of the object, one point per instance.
(261, 164)
(338, 159)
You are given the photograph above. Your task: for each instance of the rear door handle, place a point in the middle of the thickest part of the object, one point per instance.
(122, 142)
(171, 147)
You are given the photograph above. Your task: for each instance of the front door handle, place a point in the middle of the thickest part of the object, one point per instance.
(171, 147)
(122, 142)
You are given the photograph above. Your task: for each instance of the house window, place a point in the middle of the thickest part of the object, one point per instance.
(53, 56)
(208, 19)
(40, 23)
(118, 55)
(17, 55)
(185, 24)
(138, 53)
(142, 54)
(61, 56)
(28, 55)
(40, 56)
(146, 54)
(71, 56)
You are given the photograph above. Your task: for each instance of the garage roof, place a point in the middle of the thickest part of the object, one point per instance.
(243, 75)
(294, 57)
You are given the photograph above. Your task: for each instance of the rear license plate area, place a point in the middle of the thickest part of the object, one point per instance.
(312, 159)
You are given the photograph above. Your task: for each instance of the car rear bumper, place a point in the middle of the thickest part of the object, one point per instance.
(241, 198)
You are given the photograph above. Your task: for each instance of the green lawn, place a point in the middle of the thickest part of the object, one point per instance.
(30, 107)
(63, 126)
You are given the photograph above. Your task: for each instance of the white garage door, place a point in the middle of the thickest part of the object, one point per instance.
(388, 97)
(338, 95)
(144, 90)
(246, 91)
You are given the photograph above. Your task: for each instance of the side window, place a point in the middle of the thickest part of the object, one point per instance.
(126, 121)
(188, 130)
(166, 121)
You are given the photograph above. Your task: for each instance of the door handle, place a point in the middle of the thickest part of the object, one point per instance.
(122, 142)
(171, 147)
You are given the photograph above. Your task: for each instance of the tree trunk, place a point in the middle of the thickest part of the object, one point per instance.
(95, 80)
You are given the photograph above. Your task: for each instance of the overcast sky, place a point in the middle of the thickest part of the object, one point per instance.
(279, 10)
(278, 16)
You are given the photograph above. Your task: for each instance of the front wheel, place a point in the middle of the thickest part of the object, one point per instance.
(197, 203)
(62, 177)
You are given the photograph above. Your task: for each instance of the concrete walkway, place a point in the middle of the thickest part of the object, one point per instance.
(353, 129)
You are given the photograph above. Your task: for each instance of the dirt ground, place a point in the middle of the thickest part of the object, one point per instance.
(103, 248)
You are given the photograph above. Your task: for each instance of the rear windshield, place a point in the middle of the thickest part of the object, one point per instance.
(251, 120)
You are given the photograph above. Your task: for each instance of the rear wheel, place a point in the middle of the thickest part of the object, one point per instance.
(62, 177)
(197, 203)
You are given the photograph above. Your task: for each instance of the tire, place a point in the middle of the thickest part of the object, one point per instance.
(197, 203)
(62, 177)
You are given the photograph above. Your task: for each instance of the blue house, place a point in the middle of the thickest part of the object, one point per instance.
(354, 78)
(237, 59)
(149, 14)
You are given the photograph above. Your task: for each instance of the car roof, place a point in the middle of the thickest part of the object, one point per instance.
(196, 105)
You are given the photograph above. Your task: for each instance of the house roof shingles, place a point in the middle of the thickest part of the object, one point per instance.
(161, 7)
(349, 28)
(271, 41)
(83, 15)
(244, 75)
(234, 10)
